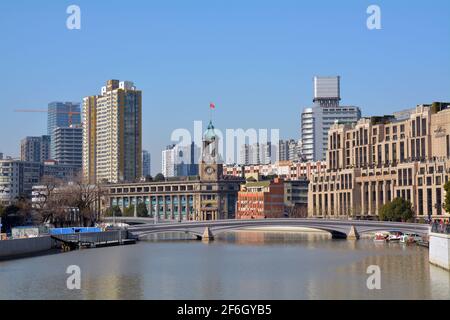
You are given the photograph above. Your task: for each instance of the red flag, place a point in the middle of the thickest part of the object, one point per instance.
(212, 106)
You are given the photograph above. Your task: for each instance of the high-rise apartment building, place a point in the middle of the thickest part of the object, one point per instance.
(68, 142)
(317, 120)
(112, 133)
(289, 150)
(35, 149)
(146, 163)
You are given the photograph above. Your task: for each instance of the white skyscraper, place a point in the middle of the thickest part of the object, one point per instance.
(317, 120)
(168, 161)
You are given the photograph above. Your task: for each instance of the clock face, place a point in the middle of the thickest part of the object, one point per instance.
(209, 170)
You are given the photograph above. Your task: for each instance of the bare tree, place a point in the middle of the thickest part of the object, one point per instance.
(85, 198)
(65, 204)
(47, 201)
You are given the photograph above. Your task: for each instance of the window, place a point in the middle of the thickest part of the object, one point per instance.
(420, 201)
(424, 126)
(439, 201)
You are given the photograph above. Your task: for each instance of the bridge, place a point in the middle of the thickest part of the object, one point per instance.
(207, 230)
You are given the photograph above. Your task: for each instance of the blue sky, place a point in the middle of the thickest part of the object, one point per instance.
(254, 59)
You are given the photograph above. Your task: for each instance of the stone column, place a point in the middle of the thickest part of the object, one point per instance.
(164, 207)
(172, 207)
(363, 200)
(188, 211)
(377, 197)
(180, 205)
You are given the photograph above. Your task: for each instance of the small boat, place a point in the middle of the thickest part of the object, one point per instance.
(381, 237)
(395, 236)
(410, 238)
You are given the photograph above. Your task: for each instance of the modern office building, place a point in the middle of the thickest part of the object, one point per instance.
(207, 196)
(146, 163)
(62, 114)
(35, 149)
(112, 134)
(317, 120)
(68, 144)
(378, 159)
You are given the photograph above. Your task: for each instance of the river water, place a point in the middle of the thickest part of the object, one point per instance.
(241, 265)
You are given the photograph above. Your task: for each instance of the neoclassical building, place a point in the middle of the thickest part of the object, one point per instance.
(208, 196)
(377, 159)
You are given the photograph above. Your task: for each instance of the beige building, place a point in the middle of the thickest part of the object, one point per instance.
(112, 133)
(379, 159)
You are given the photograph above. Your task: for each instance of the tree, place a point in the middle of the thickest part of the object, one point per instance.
(399, 210)
(67, 204)
(129, 212)
(142, 210)
(159, 177)
(12, 216)
(447, 197)
(113, 211)
(86, 199)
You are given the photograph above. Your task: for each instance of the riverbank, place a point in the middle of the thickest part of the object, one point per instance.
(19, 248)
(22, 248)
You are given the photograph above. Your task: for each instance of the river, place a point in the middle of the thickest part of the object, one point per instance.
(240, 265)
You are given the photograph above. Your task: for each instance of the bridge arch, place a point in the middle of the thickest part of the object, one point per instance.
(336, 233)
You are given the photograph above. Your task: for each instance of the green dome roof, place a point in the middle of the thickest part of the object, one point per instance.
(210, 133)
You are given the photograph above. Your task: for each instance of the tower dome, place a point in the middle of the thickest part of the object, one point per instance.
(210, 134)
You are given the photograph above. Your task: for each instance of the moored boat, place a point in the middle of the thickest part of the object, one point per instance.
(410, 238)
(381, 237)
(395, 236)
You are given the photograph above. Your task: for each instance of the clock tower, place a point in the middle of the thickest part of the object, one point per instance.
(210, 167)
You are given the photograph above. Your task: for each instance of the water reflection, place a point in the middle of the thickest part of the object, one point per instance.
(239, 265)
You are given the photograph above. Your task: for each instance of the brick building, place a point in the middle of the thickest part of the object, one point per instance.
(261, 199)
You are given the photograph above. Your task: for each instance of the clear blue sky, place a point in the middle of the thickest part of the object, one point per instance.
(254, 59)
